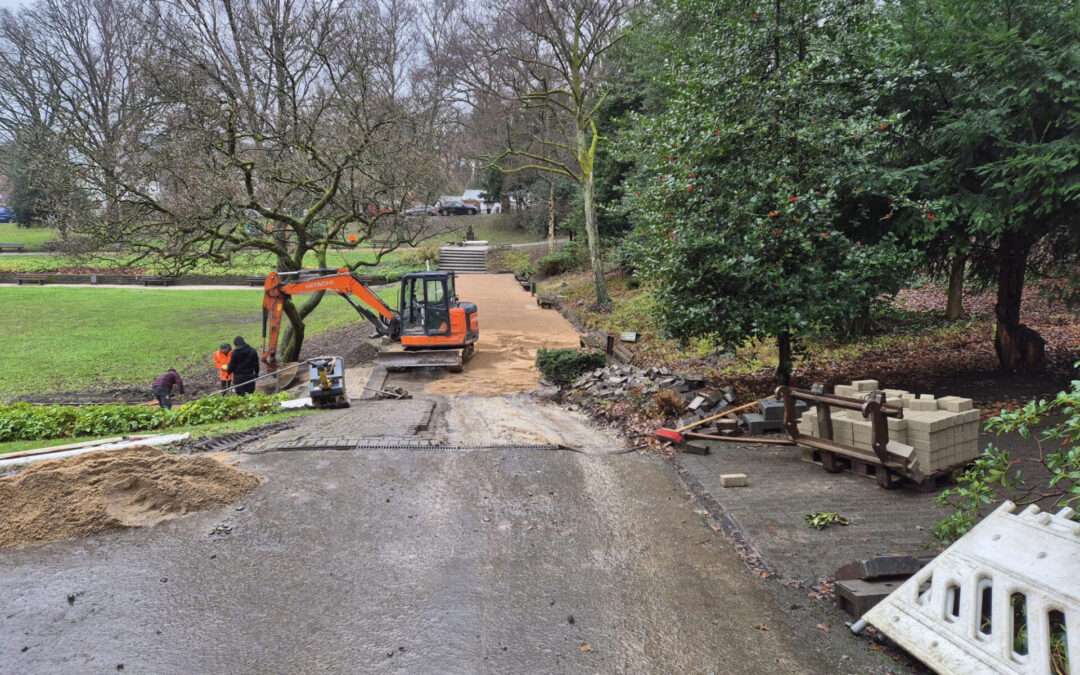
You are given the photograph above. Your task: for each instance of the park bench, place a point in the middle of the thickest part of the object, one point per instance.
(153, 280)
(31, 278)
(11, 248)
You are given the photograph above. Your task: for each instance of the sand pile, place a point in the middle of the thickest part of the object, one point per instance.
(512, 328)
(100, 491)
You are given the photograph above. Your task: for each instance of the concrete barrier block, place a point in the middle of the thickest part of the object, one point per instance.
(842, 431)
(929, 420)
(865, 386)
(733, 480)
(967, 416)
(955, 403)
(922, 404)
(846, 391)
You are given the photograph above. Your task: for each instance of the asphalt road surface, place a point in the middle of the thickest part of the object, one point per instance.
(412, 561)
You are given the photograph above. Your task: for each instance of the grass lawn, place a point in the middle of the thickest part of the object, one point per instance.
(244, 264)
(75, 339)
(33, 238)
(214, 429)
(495, 228)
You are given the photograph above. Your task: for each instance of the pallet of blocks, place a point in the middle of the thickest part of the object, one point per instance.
(944, 432)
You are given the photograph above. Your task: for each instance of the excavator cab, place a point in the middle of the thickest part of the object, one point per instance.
(431, 315)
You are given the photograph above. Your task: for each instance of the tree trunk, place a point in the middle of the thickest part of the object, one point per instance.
(955, 307)
(785, 364)
(586, 155)
(1018, 347)
(593, 236)
(551, 217)
(293, 338)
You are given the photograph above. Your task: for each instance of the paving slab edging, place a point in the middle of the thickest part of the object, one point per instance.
(720, 519)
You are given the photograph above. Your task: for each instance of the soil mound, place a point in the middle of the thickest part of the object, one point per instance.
(101, 491)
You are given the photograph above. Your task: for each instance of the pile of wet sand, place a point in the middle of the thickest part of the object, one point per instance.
(100, 491)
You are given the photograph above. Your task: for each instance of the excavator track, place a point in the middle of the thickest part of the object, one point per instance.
(452, 359)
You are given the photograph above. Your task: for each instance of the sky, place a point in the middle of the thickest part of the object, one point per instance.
(13, 4)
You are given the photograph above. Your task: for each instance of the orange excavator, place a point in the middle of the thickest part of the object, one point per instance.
(431, 328)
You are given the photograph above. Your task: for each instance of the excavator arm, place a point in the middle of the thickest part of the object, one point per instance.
(279, 286)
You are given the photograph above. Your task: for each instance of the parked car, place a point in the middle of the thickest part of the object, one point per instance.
(7, 215)
(450, 206)
(422, 210)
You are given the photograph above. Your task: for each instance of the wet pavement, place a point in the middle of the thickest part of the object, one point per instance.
(417, 561)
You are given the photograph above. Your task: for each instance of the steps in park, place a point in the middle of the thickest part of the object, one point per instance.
(463, 259)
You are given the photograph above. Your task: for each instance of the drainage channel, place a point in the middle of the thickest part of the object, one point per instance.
(226, 442)
(413, 444)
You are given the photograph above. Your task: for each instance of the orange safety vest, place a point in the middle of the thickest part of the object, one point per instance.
(221, 359)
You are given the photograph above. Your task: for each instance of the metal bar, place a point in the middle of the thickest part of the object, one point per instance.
(741, 439)
(847, 451)
(723, 413)
(824, 415)
(842, 402)
(878, 426)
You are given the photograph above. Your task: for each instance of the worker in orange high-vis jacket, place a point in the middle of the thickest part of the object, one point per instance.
(221, 363)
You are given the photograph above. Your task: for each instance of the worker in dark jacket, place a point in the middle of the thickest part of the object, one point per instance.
(163, 387)
(244, 366)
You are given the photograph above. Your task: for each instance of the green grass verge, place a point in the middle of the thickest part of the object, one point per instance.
(495, 228)
(75, 339)
(33, 238)
(244, 264)
(200, 431)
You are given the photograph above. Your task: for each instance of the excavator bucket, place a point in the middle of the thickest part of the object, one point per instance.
(287, 375)
(451, 359)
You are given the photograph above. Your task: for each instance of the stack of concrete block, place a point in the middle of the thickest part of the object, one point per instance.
(944, 432)
(771, 417)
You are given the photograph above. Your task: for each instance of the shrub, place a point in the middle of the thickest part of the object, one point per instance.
(563, 366)
(519, 263)
(420, 255)
(563, 260)
(1052, 477)
(26, 422)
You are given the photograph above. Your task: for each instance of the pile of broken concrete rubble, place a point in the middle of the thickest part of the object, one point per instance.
(617, 382)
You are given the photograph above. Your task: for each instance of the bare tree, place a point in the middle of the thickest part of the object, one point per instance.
(288, 127)
(550, 57)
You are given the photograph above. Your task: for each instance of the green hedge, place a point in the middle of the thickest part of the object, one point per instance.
(565, 259)
(27, 422)
(563, 366)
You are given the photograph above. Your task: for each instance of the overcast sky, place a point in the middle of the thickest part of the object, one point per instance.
(12, 4)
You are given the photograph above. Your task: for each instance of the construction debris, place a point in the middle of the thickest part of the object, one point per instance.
(1004, 598)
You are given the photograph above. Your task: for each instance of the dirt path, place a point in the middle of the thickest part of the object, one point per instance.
(512, 328)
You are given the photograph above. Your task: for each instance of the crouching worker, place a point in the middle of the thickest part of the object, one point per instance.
(244, 366)
(163, 387)
(221, 363)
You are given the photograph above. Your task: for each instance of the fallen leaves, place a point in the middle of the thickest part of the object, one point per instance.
(585, 648)
(820, 520)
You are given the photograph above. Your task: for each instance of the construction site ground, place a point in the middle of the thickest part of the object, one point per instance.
(471, 531)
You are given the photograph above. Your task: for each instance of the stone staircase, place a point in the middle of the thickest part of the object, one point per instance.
(463, 259)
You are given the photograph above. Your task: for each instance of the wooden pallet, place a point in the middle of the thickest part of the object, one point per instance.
(931, 483)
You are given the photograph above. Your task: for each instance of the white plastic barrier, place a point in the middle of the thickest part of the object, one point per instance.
(1005, 598)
